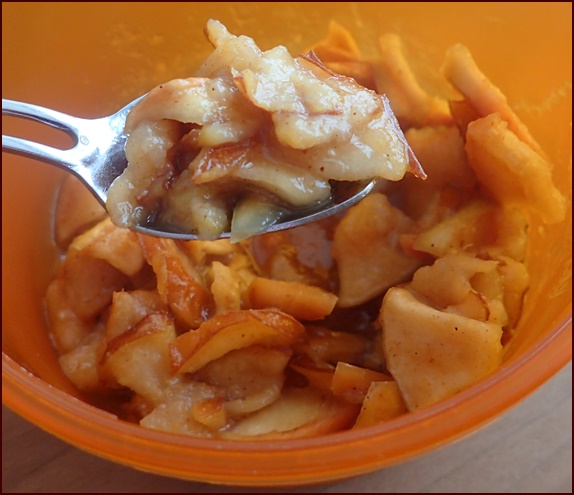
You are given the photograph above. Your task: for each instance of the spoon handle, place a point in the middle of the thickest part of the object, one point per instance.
(52, 118)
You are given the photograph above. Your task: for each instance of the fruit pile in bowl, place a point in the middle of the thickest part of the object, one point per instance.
(323, 352)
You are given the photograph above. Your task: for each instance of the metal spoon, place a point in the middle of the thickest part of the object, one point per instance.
(98, 157)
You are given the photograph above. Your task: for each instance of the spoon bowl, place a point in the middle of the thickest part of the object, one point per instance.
(98, 158)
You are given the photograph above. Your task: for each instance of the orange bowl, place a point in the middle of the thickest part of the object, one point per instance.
(88, 59)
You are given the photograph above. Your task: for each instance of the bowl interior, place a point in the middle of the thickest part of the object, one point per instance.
(89, 59)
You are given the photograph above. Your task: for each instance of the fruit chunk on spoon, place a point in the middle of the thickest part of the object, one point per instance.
(98, 158)
(256, 141)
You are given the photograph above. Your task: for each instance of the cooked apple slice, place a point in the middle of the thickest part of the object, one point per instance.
(233, 330)
(250, 378)
(210, 413)
(318, 374)
(463, 114)
(352, 383)
(511, 171)
(515, 279)
(178, 282)
(367, 250)
(461, 71)
(480, 226)
(215, 105)
(383, 401)
(251, 165)
(89, 283)
(189, 408)
(98, 263)
(325, 346)
(225, 288)
(394, 76)
(340, 53)
(200, 250)
(77, 210)
(253, 216)
(298, 413)
(450, 279)
(119, 247)
(129, 308)
(302, 301)
(440, 151)
(254, 402)
(431, 354)
(139, 358)
(486, 290)
(301, 254)
(81, 364)
(66, 327)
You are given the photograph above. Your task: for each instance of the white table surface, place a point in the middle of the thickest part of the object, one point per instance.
(527, 450)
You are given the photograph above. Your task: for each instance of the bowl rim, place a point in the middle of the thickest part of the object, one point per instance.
(270, 463)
